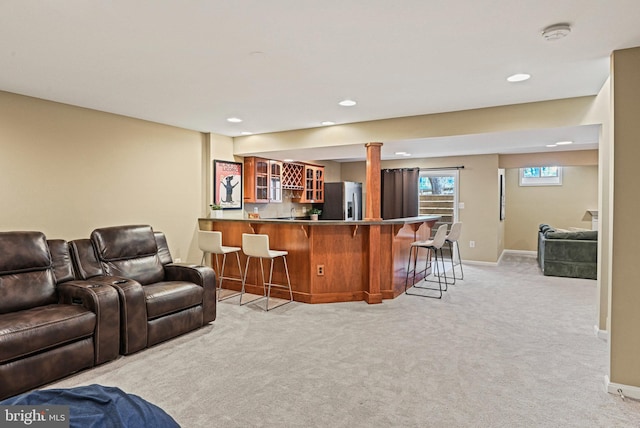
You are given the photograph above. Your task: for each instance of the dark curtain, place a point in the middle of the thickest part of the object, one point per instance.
(400, 192)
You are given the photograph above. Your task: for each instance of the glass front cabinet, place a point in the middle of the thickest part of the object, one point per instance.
(256, 180)
(275, 181)
(265, 180)
(313, 191)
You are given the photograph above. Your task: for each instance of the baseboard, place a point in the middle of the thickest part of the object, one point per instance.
(477, 262)
(601, 334)
(627, 391)
(524, 253)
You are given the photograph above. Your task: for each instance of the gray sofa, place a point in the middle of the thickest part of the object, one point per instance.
(569, 254)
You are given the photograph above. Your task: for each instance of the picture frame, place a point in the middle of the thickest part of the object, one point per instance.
(227, 184)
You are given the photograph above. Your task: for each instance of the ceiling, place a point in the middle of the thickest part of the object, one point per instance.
(285, 64)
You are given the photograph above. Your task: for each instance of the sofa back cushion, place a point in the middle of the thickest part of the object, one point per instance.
(163, 248)
(85, 260)
(581, 235)
(26, 272)
(130, 252)
(61, 260)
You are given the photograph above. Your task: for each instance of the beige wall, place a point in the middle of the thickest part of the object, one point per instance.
(560, 206)
(624, 302)
(478, 191)
(574, 157)
(67, 170)
(544, 114)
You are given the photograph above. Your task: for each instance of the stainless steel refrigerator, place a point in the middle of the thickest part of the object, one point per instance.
(342, 201)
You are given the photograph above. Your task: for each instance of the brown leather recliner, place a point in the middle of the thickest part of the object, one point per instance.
(158, 299)
(50, 324)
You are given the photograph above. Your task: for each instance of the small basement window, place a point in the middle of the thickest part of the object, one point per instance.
(541, 176)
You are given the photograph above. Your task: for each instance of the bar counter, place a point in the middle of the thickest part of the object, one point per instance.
(329, 260)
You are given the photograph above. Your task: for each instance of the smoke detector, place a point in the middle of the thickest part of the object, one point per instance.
(555, 32)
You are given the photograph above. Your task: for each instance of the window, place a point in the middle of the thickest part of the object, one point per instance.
(438, 195)
(541, 176)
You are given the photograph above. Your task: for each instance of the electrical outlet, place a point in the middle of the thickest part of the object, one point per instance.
(472, 244)
(177, 260)
(320, 270)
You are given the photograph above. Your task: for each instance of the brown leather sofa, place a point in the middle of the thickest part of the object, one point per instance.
(50, 324)
(159, 300)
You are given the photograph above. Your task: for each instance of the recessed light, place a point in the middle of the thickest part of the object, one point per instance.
(347, 103)
(551, 145)
(406, 154)
(246, 133)
(518, 77)
(234, 119)
(327, 123)
(564, 143)
(287, 160)
(401, 153)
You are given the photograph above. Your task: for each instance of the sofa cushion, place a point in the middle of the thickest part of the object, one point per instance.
(171, 296)
(23, 252)
(145, 270)
(587, 235)
(124, 242)
(26, 273)
(130, 252)
(37, 329)
(61, 260)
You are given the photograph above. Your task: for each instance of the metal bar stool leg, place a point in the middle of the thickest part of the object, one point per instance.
(244, 281)
(269, 289)
(457, 245)
(286, 270)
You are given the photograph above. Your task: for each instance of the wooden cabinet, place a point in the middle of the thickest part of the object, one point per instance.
(265, 180)
(292, 176)
(313, 184)
(275, 181)
(256, 180)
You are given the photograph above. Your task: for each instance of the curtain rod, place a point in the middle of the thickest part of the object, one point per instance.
(423, 169)
(444, 167)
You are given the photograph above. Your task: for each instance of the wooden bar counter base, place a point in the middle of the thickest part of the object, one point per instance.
(329, 261)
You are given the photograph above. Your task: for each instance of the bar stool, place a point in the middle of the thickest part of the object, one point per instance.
(432, 246)
(257, 246)
(452, 239)
(211, 242)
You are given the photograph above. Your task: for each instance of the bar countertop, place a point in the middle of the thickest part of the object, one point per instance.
(328, 260)
(395, 221)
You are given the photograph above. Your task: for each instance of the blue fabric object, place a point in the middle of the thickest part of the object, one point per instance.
(97, 406)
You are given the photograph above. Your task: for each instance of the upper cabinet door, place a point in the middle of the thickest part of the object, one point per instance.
(275, 181)
(313, 182)
(256, 180)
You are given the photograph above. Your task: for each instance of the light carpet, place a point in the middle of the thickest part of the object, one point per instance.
(506, 347)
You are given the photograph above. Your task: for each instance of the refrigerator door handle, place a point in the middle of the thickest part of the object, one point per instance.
(354, 199)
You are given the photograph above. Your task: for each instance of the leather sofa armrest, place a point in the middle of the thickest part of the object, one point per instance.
(205, 277)
(133, 312)
(102, 300)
